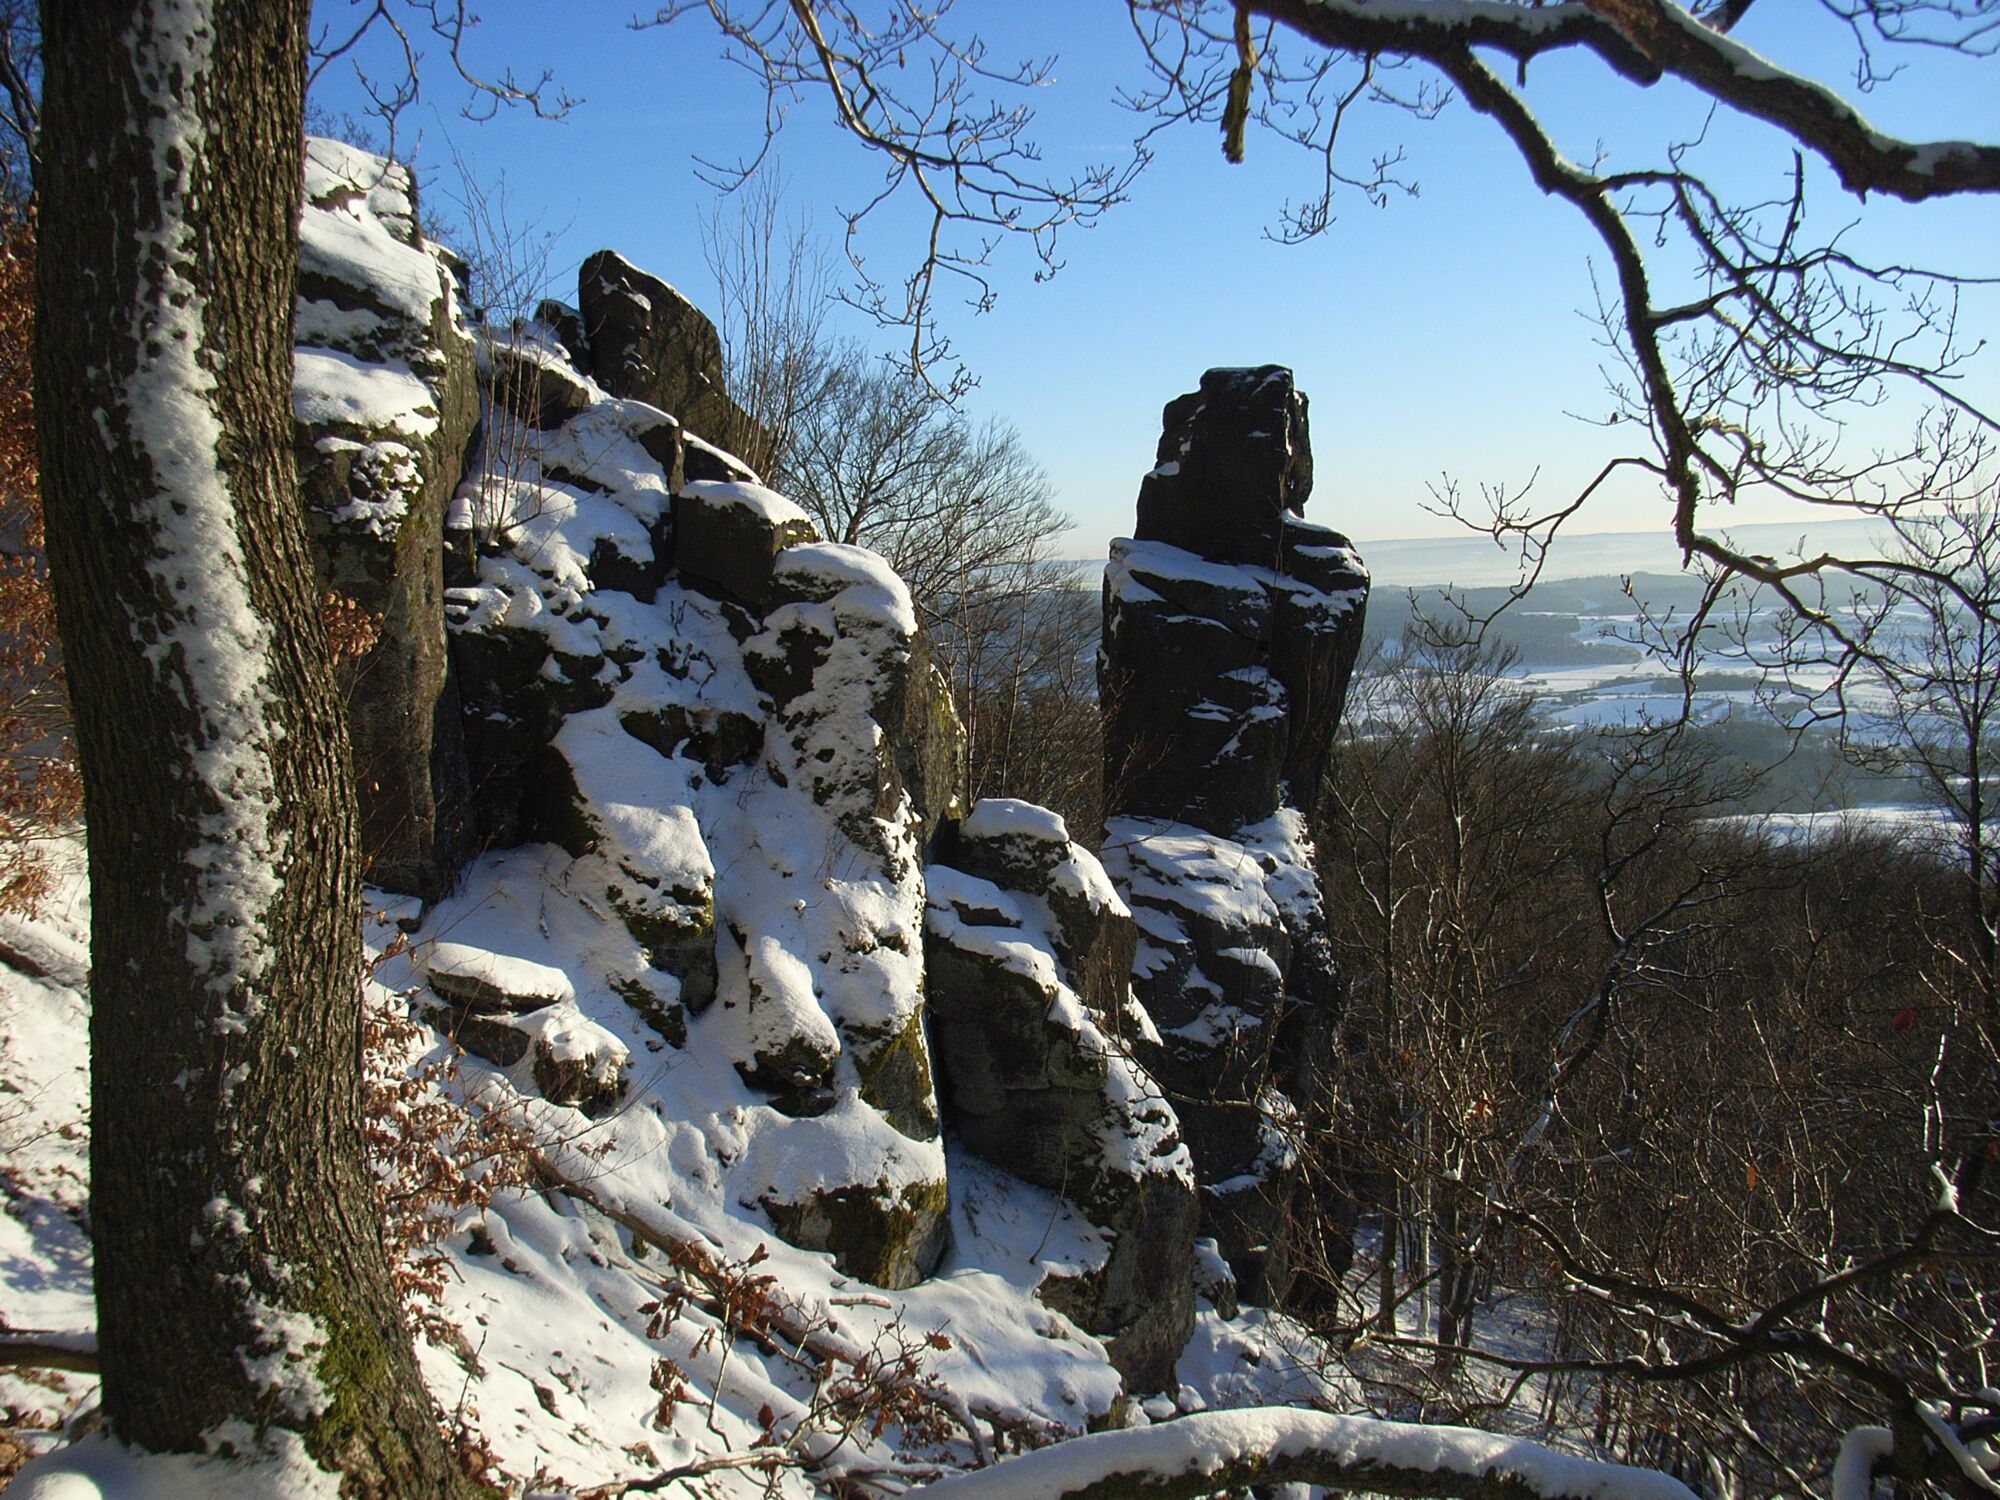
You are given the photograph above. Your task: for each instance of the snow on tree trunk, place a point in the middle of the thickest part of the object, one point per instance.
(240, 1274)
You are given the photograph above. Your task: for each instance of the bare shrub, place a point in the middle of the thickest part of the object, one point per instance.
(41, 792)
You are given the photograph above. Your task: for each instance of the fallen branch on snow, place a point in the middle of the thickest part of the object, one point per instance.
(1266, 1445)
(37, 1350)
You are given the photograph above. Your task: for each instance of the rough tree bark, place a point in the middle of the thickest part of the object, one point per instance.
(241, 1280)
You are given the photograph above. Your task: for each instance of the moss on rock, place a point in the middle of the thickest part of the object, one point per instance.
(885, 1237)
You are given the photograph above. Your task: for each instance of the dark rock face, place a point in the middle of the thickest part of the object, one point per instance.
(1230, 622)
(385, 403)
(1234, 457)
(649, 342)
(1027, 961)
(727, 536)
(1194, 719)
(534, 383)
(565, 323)
(506, 1010)
(1230, 630)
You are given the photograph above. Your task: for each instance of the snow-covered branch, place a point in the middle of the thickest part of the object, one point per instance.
(1224, 1450)
(1645, 40)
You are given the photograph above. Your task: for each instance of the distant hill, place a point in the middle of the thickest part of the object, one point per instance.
(1476, 562)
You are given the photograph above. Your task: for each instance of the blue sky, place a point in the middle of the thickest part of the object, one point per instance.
(1441, 335)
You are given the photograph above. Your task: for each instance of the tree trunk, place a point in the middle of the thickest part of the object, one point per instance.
(1385, 1272)
(240, 1270)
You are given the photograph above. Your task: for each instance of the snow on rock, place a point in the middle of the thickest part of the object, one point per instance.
(727, 537)
(484, 981)
(1233, 596)
(576, 1061)
(1028, 962)
(359, 232)
(384, 401)
(715, 749)
(768, 506)
(624, 815)
(626, 449)
(332, 389)
(1010, 818)
(704, 753)
(1230, 629)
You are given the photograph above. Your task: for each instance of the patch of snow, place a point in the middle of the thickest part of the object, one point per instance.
(510, 976)
(346, 246)
(102, 1468)
(331, 388)
(853, 580)
(767, 505)
(1206, 1443)
(1008, 817)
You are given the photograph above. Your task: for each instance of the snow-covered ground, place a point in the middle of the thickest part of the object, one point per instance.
(548, 1294)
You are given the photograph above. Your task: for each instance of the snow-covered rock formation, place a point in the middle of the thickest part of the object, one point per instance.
(692, 697)
(384, 401)
(1230, 629)
(1029, 957)
(872, 1165)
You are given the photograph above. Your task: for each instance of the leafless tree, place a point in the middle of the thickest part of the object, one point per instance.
(1738, 333)
(384, 43)
(1926, 707)
(968, 518)
(1704, 1101)
(774, 285)
(21, 106)
(1442, 859)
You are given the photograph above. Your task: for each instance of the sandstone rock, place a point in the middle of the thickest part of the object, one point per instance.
(1319, 599)
(713, 725)
(384, 400)
(487, 996)
(533, 382)
(780, 1037)
(836, 657)
(485, 983)
(889, 1238)
(727, 537)
(721, 739)
(576, 1061)
(1231, 626)
(1234, 456)
(621, 810)
(704, 461)
(1194, 720)
(895, 1069)
(565, 325)
(1039, 1081)
(649, 342)
(1027, 849)
(510, 710)
(498, 1039)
